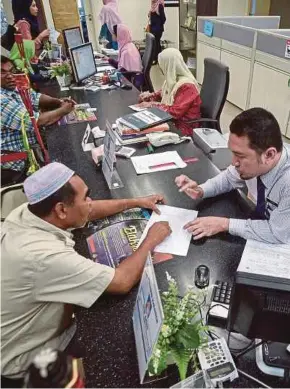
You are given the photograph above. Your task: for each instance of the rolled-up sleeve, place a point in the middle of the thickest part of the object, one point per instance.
(223, 183)
(70, 278)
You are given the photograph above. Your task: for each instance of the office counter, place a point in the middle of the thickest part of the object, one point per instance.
(105, 330)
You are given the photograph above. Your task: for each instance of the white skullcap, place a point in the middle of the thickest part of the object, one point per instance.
(46, 181)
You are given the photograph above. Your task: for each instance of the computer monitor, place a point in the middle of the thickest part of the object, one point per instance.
(83, 62)
(72, 37)
(260, 309)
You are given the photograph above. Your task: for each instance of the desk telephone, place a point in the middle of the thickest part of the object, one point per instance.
(158, 139)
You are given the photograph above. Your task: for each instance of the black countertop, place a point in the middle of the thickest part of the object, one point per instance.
(105, 330)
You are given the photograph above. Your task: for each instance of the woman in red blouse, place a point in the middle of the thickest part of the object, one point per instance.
(179, 95)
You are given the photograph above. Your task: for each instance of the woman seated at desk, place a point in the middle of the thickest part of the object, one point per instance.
(25, 16)
(129, 60)
(109, 17)
(179, 95)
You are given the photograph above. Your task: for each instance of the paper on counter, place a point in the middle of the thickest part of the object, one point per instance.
(98, 133)
(266, 259)
(145, 163)
(105, 68)
(178, 242)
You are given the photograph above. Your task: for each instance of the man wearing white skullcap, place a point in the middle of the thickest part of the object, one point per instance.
(41, 272)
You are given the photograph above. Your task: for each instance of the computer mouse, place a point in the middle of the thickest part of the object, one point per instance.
(126, 87)
(201, 279)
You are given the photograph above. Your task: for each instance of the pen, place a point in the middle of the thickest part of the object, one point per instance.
(186, 160)
(162, 165)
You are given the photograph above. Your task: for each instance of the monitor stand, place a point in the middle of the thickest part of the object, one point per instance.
(272, 358)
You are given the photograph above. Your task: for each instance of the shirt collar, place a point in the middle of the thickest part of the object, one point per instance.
(31, 220)
(269, 178)
(8, 92)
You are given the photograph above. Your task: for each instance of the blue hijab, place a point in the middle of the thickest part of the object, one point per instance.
(21, 10)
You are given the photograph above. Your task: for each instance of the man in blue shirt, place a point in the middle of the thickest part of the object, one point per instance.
(14, 113)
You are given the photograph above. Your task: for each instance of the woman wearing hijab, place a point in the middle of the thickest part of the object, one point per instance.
(109, 17)
(129, 59)
(157, 20)
(25, 17)
(179, 95)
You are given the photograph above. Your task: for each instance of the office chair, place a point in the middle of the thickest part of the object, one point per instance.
(213, 93)
(147, 60)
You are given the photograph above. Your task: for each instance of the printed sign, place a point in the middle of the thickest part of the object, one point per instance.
(287, 49)
(147, 317)
(208, 28)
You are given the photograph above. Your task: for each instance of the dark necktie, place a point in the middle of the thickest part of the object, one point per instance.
(261, 202)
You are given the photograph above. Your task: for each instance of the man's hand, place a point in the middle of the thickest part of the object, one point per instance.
(67, 107)
(207, 226)
(188, 186)
(157, 233)
(150, 202)
(68, 100)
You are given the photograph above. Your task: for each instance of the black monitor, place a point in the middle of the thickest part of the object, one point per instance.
(72, 37)
(83, 62)
(260, 309)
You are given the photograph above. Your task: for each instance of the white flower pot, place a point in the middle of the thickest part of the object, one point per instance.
(64, 80)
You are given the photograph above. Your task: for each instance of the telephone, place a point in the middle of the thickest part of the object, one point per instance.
(217, 361)
(163, 138)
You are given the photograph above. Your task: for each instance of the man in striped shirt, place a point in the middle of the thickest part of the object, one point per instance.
(260, 162)
(13, 112)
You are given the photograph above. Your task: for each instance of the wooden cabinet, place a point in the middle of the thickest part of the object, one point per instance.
(239, 68)
(270, 90)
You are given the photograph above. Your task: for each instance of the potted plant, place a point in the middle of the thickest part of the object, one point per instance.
(62, 71)
(182, 332)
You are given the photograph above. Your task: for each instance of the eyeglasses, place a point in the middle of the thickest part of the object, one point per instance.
(6, 73)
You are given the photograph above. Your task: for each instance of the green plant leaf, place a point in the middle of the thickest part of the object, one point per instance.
(181, 357)
(188, 336)
(156, 368)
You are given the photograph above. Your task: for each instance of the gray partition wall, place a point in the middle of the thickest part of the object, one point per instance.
(273, 42)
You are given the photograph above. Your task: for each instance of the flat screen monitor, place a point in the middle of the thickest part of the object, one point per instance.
(83, 61)
(72, 37)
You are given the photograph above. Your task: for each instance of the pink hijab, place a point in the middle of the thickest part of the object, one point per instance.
(129, 56)
(155, 5)
(109, 14)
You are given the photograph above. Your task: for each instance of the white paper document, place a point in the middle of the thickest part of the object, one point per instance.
(105, 68)
(157, 162)
(178, 242)
(266, 259)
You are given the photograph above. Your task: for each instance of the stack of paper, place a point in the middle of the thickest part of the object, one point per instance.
(157, 162)
(265, 259)
(178, 242)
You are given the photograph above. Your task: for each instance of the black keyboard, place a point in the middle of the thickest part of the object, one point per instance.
(222, 292)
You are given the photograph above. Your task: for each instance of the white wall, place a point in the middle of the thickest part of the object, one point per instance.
(232, 7)
(48, 14)
(134, 14)
(7, 5)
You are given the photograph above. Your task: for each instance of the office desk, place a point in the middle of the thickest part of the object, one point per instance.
(106, 328)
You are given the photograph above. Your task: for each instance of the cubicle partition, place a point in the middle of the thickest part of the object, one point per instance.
(255, 51)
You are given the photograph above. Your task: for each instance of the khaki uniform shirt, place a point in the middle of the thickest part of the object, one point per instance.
(41, 273)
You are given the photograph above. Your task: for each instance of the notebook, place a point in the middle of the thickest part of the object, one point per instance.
(148, 118)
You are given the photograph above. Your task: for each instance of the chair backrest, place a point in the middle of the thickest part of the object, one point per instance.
(214, 88)
(147, 59)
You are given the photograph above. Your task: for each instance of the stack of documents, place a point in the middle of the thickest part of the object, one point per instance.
(157, 162)
(178, 242)
(266, 260)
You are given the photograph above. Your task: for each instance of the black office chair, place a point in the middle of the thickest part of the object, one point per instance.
(213, 93)
(147, 60)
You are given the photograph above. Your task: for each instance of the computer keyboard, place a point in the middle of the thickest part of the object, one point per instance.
(222, 292)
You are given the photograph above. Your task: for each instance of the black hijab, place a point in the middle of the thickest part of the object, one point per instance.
(21, 11)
